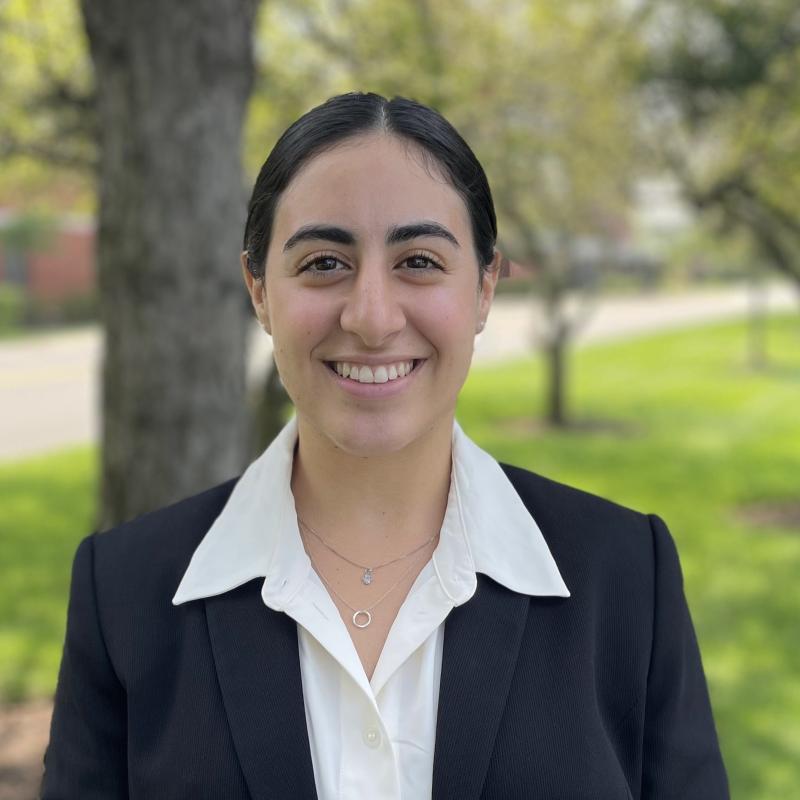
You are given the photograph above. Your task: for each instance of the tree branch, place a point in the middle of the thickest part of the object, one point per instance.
(50, 152)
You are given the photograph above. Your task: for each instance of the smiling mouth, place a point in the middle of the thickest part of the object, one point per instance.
(383, 373)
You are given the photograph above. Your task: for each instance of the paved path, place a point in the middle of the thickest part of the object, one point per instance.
(515, 325)
(49, 383)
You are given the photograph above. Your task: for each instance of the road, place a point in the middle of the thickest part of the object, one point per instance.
(49, 384)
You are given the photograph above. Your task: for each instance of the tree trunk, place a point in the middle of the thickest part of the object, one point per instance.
(556, 354)
(757, 318)
(173, 80)
(556, 341)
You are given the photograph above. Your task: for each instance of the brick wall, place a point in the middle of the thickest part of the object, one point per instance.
(64, 268)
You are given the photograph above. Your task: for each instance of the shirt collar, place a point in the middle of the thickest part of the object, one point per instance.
(486, 529)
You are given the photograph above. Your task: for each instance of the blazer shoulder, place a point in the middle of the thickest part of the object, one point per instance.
(153, 550)
(540, 492)
(583, 530)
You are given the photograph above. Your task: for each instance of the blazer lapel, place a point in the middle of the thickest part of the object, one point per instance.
(257, 661)
(481, 643)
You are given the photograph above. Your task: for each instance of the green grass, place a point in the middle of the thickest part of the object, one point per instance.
(677, 424)
(47, 508)
(674, 424)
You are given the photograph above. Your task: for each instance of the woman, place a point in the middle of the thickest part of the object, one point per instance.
(376, 608)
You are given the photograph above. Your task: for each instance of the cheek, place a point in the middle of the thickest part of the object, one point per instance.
(298, 326)
(448, 318)
(298, 323)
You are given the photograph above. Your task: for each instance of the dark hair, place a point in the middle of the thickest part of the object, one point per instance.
(348, 115)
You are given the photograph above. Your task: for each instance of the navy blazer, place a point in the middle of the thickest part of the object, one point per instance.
(600, 695)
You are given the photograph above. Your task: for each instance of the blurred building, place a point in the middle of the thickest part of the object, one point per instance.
(49, 260)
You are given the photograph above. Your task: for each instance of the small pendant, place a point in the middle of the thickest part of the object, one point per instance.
(366, 578)
(365, 616)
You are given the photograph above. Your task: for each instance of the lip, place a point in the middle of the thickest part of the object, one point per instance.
(373, 361)
(376, 390)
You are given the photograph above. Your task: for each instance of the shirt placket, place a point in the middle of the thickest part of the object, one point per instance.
(369, 763)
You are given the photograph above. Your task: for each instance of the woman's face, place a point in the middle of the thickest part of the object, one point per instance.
(372, 265)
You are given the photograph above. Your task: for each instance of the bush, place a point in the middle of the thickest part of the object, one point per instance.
(80, 308)
(12, 307)
(76, 308)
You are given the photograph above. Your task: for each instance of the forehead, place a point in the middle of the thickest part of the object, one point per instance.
(368, 184)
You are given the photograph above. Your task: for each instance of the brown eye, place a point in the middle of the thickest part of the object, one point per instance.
(321, 264)
(421, 263)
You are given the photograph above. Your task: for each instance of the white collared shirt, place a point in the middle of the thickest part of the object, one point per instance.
(372, 738)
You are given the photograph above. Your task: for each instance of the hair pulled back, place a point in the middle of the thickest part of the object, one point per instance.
(354, 113)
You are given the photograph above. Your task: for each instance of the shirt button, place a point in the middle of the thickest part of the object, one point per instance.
(372, 738)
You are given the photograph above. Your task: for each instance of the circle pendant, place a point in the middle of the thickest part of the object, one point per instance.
(364, 615)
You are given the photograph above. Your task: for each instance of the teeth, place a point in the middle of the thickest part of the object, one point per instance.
(380, 374)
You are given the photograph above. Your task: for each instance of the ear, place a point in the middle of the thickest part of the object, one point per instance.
(488, 285)
(256, 288)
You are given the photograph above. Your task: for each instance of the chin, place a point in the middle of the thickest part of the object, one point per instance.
(373, 438)
(366, 445)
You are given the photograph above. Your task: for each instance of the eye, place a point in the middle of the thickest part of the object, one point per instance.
(323, 264)
(421, 262)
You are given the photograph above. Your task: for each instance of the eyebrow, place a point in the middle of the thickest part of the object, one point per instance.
(395, 235)
(415, 230)
(328, 233)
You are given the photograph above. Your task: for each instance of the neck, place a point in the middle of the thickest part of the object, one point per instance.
(378, 505)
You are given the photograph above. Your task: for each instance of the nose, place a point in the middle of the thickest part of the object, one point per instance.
(373, 310)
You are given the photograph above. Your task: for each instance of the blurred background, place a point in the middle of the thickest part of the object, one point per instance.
(645, 161)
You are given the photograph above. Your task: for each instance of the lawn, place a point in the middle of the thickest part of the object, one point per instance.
(47, 508)
(677, 424)
(674, 424)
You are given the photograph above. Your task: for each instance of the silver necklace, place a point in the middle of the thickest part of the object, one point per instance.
(367, 575)
(361, 616)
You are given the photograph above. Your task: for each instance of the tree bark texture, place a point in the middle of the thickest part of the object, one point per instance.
(173, 80)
